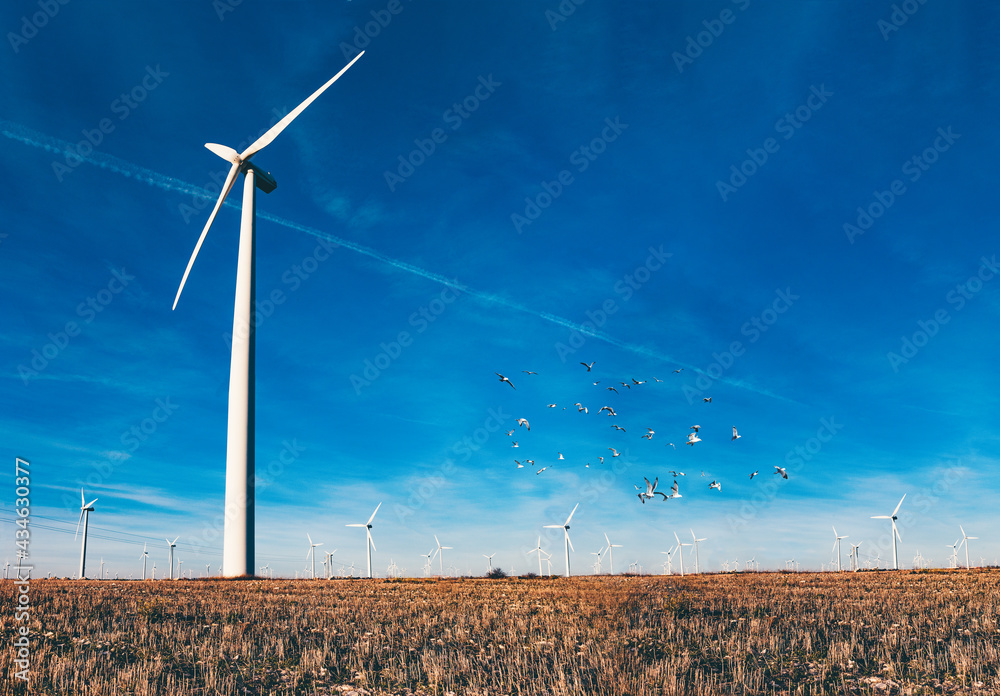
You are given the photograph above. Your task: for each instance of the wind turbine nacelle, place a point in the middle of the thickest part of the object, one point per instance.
(263, 180)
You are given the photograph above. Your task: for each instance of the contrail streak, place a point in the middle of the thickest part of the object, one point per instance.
(21, 134)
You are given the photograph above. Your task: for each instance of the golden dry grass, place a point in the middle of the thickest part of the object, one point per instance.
(749, 633)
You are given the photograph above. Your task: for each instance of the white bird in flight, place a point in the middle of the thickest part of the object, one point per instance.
(515, 444)
(651, 491)
(696, 428)
(716, 485)
(752, 475)
(779, 470)
(523, 422)
(614, 452)
(504, 379)
(519, 464)
(560, 456)
(707, 400)
(649, 435)
(615, 425)
(736, 436)
(589, 367)
(674, 491)
(693, 438)
(551, 405)
(611, 411)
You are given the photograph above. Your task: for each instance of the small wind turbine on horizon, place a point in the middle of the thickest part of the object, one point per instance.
(697, 564)
(85, 510)
(680, 549)
(171, 544)
(369, 544)
(895, 532)
(965, 541)
(144, 556)
(538, 550)
(312, 554)
(565, 527)
(440, 553)
(611, 553)
(836, 547)
(489, 562)
(238, 533)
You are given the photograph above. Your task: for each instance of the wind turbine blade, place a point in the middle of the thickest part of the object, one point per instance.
(380, 504)
(834, 547)
(230, 180)
(355, 525)
(964, 535)
(899, 505)
(265, 140)
(962, 543)
(881, 517)
(370, 540)
(78, 525)
(174, 541)
(309, 538)
(436, 541)
(896, 531)
(91, 502)
(554, 526)
(572, 513)
(606, 539)
(82, 504)
(569, 541)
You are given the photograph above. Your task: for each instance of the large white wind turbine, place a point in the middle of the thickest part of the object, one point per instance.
(697, 564)
(144, 556)
(489, 562)
(836, 547)
(611, 553)
(85, 510)
(895, 532)
(565, 527)
(368, 530)
(312, 554)
(965, 540)
(171, 544)
(440, 553)
(238, 538)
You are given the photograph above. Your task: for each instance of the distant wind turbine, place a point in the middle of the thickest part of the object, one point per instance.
(238, 537)
(680, 549)
(171, 544)
(369, 544)
(836, 547)
(312, 554)
(697, 564)
(489, 562)
(85, 510)
(611, 553)
(144, 556)
(965, 541)
(565, 527)
(538, 550)
(895, 532)
(440, 553)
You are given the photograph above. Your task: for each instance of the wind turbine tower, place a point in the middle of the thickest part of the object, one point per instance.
(238, 534)
(85, 510)
(895, 532)
(965, 540)
(836, 547)
(171, 544)
(368, 531)
(565, 527)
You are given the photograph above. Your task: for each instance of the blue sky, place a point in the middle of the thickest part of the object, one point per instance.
(789, 201)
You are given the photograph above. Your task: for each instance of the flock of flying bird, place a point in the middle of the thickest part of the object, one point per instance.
(650, 492)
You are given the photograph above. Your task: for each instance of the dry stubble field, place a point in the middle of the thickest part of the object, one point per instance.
(748, 633)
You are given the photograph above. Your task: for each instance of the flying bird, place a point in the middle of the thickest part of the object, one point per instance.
(657, 379)
(541, 470)
(589, 367)
(649, 435)
(602, 459)
(651, 491)
(696, 428)
(560, 456)
(551, 405)
(504, 379)
(678, 370)
(612, 389)
(670, 444)
(515, 444)
(779, 470)
(635, 381)
(510, 432)
(524, 423)
(716, 485)
(519, 464)
(529, 461)
(674, 491)
(615, 425)
(614, 452)
(675, 474)
(693, 438)
(611, 411)
(752, 475)
(736, 435)
(529, 372)
(581, 408)
(707, 400)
